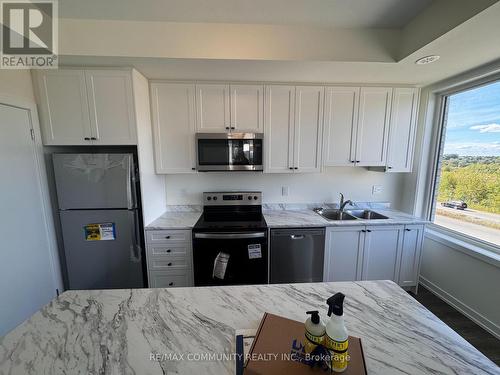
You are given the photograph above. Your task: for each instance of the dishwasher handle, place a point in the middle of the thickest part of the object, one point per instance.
(297, 236)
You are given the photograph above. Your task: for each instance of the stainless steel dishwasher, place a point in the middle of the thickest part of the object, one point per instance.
(297, 255)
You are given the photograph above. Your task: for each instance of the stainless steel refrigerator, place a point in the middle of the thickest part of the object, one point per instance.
(98, 208)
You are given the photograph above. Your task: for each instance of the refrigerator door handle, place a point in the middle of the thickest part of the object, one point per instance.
(135, 248)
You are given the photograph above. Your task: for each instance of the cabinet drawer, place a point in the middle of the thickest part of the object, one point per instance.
(167, 236)
(174, 279)
(168, 263)
(168, 250)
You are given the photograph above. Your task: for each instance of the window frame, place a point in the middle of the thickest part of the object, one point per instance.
(437, 147)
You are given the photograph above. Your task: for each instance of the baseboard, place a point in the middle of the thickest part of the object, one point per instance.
(469, 312)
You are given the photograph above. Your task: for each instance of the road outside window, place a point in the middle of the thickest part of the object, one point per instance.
(467, 198)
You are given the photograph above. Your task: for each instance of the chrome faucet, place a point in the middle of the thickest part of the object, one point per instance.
(344, 203)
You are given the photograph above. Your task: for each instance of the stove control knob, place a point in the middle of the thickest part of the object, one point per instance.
(215, 198)
(255, 197)
(249, 198)
(209, 198)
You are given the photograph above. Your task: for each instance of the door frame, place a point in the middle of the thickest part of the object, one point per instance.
(47, 211)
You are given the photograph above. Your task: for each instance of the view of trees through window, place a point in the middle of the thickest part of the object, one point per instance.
(468, 194)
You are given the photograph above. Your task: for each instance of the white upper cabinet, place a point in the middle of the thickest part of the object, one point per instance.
(341, 118)
(173, 115)
(64, 108)
(112, 116)
(293, 127)
(402, 129)
(86, 107)
(308, 128)
(373, 126)
(247, 108)
(279, 134)
(381, 254)
(212, 108)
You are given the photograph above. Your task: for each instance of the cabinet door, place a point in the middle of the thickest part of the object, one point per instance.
(308, 128)
(173, 116)
(373, 126)
(381, 252)
(247, 108)
(112, 115)
(212, 108)
(343, 253)
(170, 279)
(402, 129)
(64, 108)
(279, 120)
(341, 117)
(410, 255)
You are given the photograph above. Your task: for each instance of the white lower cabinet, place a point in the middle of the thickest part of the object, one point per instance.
(378, 252)
(343, 253)
(411, 254)
(169, 258)
(381, 252)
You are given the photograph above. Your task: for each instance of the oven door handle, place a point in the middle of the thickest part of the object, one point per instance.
(220, 236)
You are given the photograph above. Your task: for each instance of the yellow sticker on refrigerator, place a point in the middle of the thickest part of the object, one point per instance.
(100, 232)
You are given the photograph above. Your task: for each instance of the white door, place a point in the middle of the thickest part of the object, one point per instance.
(341, 118)
(247, 108)
(111, 103)
(373, 126)
(343, 253)
(279, 134)
(410, 255)
(402, 129)
(26, 269)
(308, 128)
(173, 116)
(64, 108)
(212, 108)
(381, 253)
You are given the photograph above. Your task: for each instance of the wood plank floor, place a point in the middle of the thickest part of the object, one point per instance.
(481, 339)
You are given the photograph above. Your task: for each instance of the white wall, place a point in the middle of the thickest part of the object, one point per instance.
(17, 83)
(355, 183)
(466, 282)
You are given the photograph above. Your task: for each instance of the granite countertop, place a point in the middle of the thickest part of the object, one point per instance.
(175, 220)
(283, 216)
(147, 331)
(309, 218)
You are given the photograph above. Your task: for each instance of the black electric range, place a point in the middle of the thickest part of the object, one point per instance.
(230, 240)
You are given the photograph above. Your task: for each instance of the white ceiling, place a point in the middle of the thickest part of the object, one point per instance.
(318, 13)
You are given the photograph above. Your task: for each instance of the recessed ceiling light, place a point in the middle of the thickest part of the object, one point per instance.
(427, 59)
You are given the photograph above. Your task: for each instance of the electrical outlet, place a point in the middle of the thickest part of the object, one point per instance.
(377, 189)
(285, 190)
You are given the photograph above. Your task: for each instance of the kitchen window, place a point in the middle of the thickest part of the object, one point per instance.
(466, 197)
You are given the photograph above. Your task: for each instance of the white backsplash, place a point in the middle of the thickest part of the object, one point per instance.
(355, 183)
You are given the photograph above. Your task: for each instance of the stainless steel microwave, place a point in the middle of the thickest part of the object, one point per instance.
(229, 152)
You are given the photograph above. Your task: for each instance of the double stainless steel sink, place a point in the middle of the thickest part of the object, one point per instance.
(336, 214)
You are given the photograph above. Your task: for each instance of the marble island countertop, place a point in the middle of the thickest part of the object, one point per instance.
(283, 216)
(148, 331)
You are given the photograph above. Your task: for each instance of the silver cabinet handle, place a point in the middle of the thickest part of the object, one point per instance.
(220, 236)
(297, 236)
